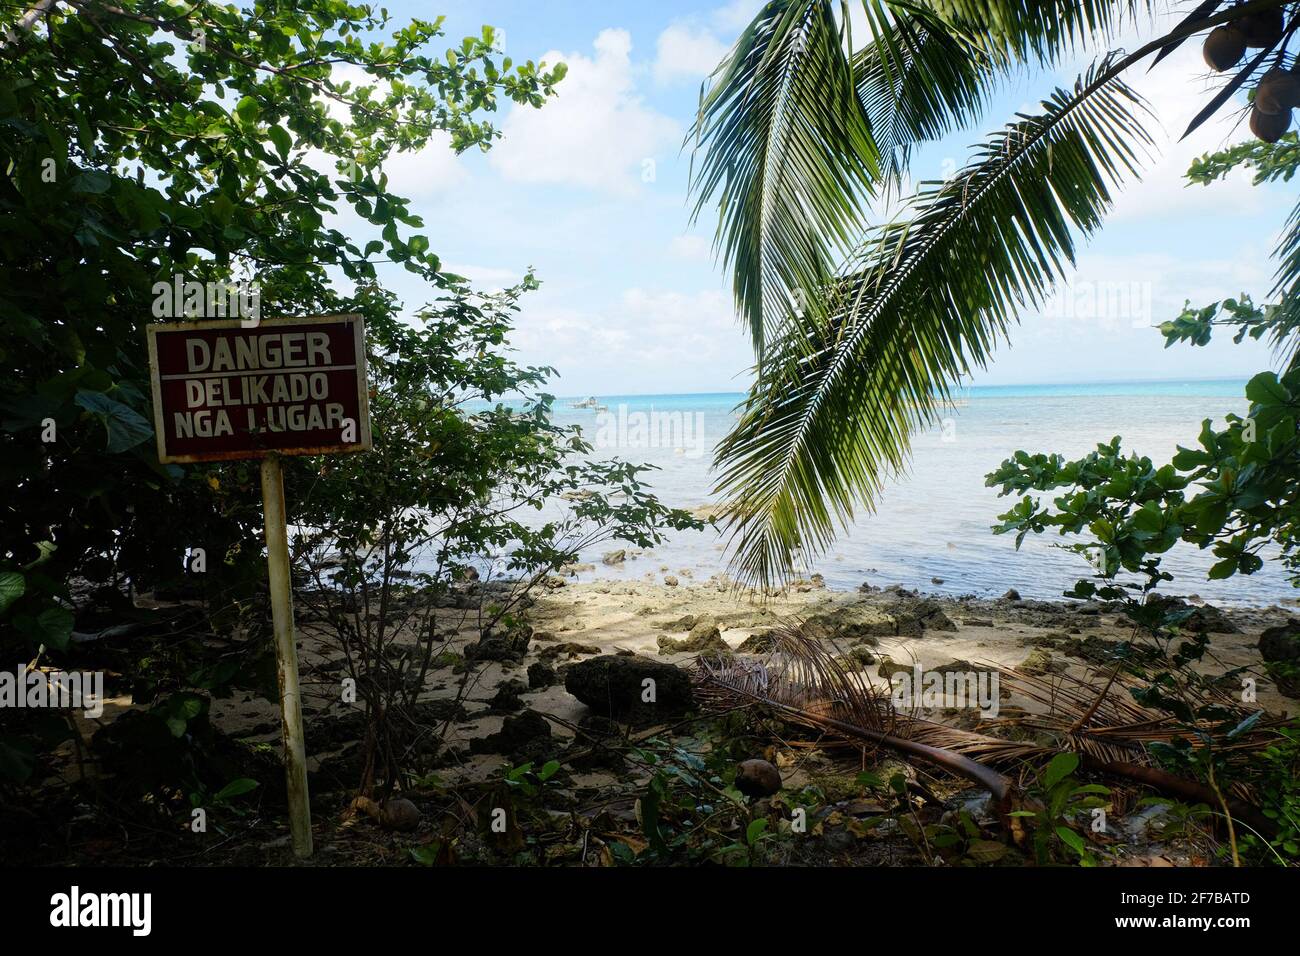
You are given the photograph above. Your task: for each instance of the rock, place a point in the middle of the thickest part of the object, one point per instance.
(567, 648)
(613, 558)
(400, 814)
(680, 624)
(1206, 619)
(507, 695)
(853, 622)
(705, 638)
(858, 657)
(516, 732)
(757, 778)
(759, 643)
(1011, 595)
(540, 675)
(936, 580)
(913, 619)
(888, 668)
(614, 686)
(1280, 648)
(500, 647)
(670, 581)
(1040, 661)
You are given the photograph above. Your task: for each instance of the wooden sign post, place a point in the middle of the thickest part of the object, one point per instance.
(225, 391)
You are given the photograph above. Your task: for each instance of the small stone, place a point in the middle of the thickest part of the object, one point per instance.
(540, 675)
(1011, 595)
(398, 813)
(757, 778)
(670, 581)
(613, 558)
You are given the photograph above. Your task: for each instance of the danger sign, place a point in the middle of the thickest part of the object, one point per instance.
(288, 386)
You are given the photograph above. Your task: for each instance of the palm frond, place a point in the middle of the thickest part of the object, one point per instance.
(1043, 30)
(1285, 319)
(803, 682)
(787, 145)
(829, 418)
(918, 82)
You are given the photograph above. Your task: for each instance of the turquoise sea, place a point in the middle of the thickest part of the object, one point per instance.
(933, 522)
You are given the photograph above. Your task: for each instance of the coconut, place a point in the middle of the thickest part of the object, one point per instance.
(1269, 126)
(1263, 28)
(757, 778)
(1278, 92)
(1224, 47)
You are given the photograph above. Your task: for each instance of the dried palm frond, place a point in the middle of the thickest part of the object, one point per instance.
(801, 680)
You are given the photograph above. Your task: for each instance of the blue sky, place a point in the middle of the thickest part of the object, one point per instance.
(591, 191)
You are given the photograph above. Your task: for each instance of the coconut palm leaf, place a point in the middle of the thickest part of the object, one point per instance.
(788, 148)
(1041, 30)
(802, 680)
(917, 83)
(794, 135)
(828, 419)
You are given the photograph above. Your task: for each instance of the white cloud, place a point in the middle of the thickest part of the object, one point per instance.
(736, 15)
(685, 339)
(1176, 90)
(685, 52)
(694, 248)
(597, 133)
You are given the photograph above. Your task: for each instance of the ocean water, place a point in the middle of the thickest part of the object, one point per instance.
(933, 522)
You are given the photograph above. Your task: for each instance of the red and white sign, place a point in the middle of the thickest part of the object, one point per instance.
(285, 386)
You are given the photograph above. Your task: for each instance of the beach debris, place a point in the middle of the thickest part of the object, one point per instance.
(757, 778)
(395, 813)
(632, 689)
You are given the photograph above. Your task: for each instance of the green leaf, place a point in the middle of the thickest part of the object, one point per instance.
(126, 427)
(55, 626)
(1060, 767)
(1072, 840)
(12, 586)
(755, 830)
(248, 110)
(986, 851)
(235, 788)
(1265, 389)
(282, 140)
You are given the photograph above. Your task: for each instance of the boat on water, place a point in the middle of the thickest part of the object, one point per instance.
(588, 402)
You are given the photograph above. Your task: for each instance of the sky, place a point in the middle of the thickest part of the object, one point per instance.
(592, 191)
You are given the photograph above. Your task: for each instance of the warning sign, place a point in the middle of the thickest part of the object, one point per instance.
(288, 386)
